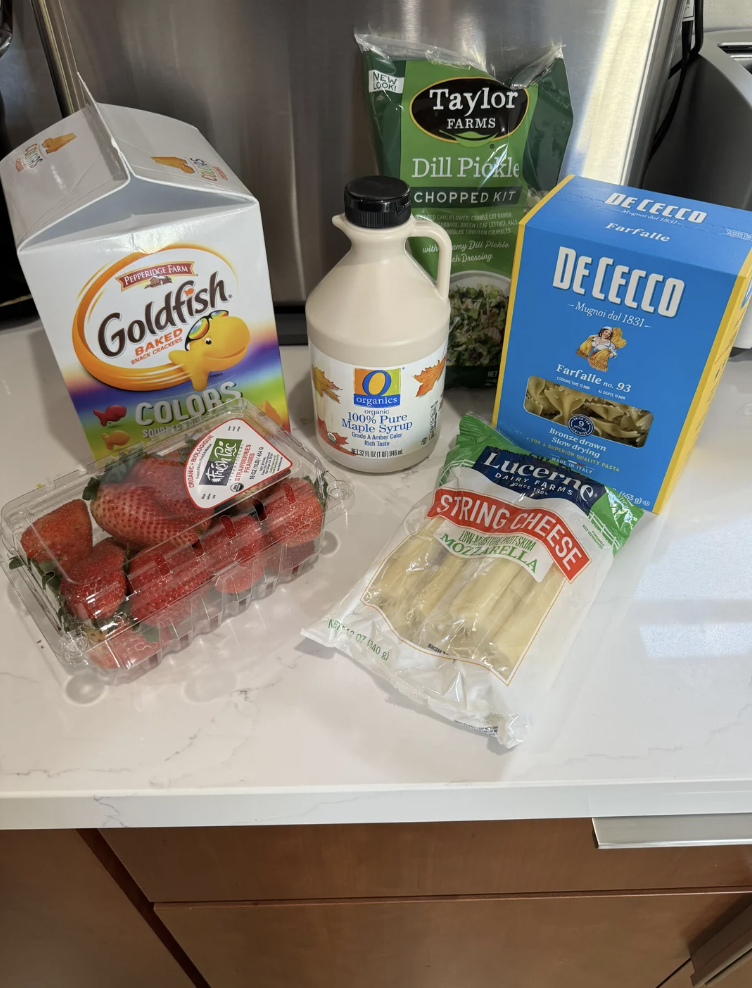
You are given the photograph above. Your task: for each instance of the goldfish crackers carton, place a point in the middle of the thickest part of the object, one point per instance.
(624, 307)
(145, 256)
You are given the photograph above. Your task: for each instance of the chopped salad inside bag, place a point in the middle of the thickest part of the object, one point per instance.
(475, 601)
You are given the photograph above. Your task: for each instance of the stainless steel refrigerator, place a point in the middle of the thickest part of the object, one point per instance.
(275, 86)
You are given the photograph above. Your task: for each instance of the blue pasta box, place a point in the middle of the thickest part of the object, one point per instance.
(622, 314)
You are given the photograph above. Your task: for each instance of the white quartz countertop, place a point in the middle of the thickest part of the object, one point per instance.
(651, 715)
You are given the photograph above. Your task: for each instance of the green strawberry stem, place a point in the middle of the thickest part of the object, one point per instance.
(90, 491)
(148, 632)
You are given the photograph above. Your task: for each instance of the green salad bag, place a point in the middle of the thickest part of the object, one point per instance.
(477, 153)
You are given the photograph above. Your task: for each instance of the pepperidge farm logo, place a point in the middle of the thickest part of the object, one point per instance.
(124, 336)
(376, 388)
(156, 274)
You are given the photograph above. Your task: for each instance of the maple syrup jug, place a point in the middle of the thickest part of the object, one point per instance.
(377, 331)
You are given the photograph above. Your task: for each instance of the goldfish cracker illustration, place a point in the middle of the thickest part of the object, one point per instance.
(173, 162)
(114, 439)
(113, 413)
(215, 343)
(52, 144)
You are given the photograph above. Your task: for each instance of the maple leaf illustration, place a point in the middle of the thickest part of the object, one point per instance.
(323, 385)
(333, 438)
(428, 377)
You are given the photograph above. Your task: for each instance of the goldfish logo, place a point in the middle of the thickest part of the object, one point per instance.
(215, 343)
(376, 388)
(138, 341)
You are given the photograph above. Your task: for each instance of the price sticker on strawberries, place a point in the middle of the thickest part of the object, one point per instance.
(229, 460)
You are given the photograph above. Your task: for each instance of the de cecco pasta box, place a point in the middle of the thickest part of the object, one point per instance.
(624, 308)
(145, 256)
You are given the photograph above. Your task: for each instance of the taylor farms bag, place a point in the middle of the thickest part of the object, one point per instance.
(477, 153)
(474, 603)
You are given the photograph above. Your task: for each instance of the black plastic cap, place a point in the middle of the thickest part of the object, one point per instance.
(377, 202)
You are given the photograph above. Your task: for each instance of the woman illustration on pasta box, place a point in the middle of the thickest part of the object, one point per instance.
(599, 348)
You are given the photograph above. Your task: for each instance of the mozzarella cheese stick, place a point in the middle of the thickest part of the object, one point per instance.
(406, 567)
(513, 634)
(504, 592)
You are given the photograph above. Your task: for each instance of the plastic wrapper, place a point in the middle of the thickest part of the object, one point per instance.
(126, 561)
(478, 148)
(474, 603)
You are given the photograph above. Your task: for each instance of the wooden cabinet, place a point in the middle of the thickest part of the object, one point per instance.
(66, 923)
(531, 904)
(584, 941)
(425, 859)
(741, 978)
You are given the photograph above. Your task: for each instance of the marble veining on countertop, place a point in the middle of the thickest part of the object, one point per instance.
(652, 713)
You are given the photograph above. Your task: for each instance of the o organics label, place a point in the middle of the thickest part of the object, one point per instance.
(229, 460)
(376, 388)
(377, 412)
(152, 321)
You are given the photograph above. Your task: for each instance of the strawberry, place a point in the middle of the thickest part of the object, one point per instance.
(163, 583)
(123, 650)
(166, 478)
(292, 513)
(240, 578)
(232, 551)
(134, 517)
(287, 558)
(95, 586)
(62, 536)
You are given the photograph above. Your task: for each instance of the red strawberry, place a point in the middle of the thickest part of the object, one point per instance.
(134, 517)
(166, 478)
(163, 583)
(95, 586)
(62, 536)
(287, 558)
(240, 577)
(292, 512)
(232, 551)
(123, 650)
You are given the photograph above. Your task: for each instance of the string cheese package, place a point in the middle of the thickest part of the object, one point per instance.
(623, 311)
(474, 603)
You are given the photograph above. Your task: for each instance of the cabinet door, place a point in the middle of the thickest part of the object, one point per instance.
(65, 923)
(382, 860)
(590, 941)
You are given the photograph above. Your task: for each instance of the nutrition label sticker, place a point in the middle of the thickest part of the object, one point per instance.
(229, 460)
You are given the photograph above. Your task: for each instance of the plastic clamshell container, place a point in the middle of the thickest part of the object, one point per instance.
(127, 560)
